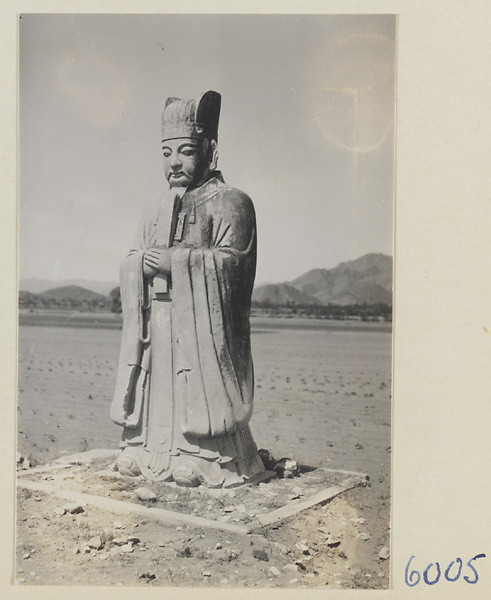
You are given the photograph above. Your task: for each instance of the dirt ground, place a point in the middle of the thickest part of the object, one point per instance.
(322, 399)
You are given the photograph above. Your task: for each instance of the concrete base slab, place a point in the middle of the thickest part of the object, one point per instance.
(80, 473)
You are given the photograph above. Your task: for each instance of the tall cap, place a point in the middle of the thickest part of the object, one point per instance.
(192, 118)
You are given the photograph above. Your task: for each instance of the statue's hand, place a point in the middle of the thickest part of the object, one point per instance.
(157, 260)
(148, 271)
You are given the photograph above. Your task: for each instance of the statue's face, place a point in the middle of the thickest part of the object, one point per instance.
(185, 162)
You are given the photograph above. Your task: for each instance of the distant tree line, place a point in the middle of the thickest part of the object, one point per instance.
(112, 302)
(363, 312)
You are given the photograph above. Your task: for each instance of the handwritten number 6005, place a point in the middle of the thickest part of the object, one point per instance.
(414, 577)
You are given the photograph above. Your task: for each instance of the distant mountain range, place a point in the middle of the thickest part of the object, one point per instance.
(365, 280)
(72, 296)
(38, 286)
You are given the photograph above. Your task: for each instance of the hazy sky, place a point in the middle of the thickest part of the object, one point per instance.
(306, 130)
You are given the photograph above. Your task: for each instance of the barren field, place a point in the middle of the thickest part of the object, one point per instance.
(322, 398)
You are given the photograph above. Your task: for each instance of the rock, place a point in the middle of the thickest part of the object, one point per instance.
(76, 551)
(133, 539)
(120, 541)
(162, 544)
(241, 508)
(127, 548)
(178, 528)
(143, 493)
(289, 567)
(73, 508)
(333, 541)
(218, 546)
(260, 554)
(26, 555)
(275, 572)
(297, 490)
(364, 536)
(229, 509)
(384, 554)
(286, 468)
(118, 525)
(360, 520)
(292, 581)
(60, 511)
(206, 574)
(224, 518)
(95, 542)
(302, 547)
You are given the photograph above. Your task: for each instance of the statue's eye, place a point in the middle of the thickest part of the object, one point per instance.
(166, 153)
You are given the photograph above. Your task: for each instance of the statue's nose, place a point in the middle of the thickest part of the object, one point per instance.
(175, 161)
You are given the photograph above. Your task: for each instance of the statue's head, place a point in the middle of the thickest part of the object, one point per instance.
(189, 139)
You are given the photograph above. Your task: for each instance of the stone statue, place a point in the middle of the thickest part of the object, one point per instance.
(184, 388)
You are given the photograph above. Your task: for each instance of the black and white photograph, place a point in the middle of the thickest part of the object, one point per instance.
(206, 209)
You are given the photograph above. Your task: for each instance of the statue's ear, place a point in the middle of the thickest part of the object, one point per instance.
(208, 111)
(214, 155)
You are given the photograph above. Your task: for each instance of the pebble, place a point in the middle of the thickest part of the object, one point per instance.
(73, 508)
(127, 548)
(260, 554)
(144, 493)
(360, 520)
(26, 555)
(224, 518)
(178, 528)
(364, 536)
(60, 511)
(218, 546)
(292, 581)
(384, 553)
(206, 574)
(274, 571)
(333, 541)
(95, 542)
(133, 539)
(302, 547)
(120, 541)
(20, 580)
(229, 509)
(118, 525)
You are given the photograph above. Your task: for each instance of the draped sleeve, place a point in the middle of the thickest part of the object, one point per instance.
(133, 366)
(211, 293)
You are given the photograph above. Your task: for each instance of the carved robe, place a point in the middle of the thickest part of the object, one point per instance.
(185, 378)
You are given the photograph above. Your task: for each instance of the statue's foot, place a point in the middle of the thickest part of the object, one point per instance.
(127, 464)
(186, 475)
